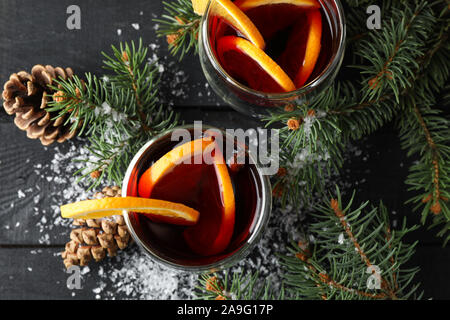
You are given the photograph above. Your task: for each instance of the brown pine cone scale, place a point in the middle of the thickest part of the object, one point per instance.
(96, 238)
(27, 95)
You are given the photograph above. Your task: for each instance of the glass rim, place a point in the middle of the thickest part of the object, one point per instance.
(330, 68)
(261, 223)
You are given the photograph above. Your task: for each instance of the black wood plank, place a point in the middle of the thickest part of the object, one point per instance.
(377, 169)
(38, 273)
(35, 32)
(434, 263)
(31, 273)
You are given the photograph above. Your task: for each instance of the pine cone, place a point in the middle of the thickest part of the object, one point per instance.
(96, 237)
(26, 95)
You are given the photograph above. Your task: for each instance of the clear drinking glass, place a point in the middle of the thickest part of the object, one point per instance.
(154, 150)
(257, 103)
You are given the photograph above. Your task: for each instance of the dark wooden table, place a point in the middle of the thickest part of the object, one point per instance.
(33, 32)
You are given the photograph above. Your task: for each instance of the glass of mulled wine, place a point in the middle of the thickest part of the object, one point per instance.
(261, 54)
(234, 201)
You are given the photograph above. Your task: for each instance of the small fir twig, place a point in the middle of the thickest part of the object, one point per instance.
(180, 26)
(235, 286)
(349, 246)
(118, 112)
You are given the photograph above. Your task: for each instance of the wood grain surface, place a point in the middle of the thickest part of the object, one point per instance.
(33, 32)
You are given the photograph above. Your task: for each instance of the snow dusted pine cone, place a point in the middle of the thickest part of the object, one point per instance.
(27, 95)
(96, 237)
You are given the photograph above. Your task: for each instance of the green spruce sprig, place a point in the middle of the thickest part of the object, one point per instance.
(424, 132)
(118, 112)
(355, 254)
(424, 127)
(312, 147)
(180, 25)
(235, 286)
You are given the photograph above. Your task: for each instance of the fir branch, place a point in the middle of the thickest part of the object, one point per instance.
(119, 112)
(312, 150)
(180, 25)
(236, 286)
(335, 206)
(349, 244)
(424, 128)
(424, 132)
(135, 75)
(392, 51)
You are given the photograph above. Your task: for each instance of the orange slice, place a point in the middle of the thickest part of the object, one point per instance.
(228, 11)
(199, 6)
(169, 161)
(245, 5)
(164, 211)
(252, 66)
(313, 47)
(303, 48)
(199, 237)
